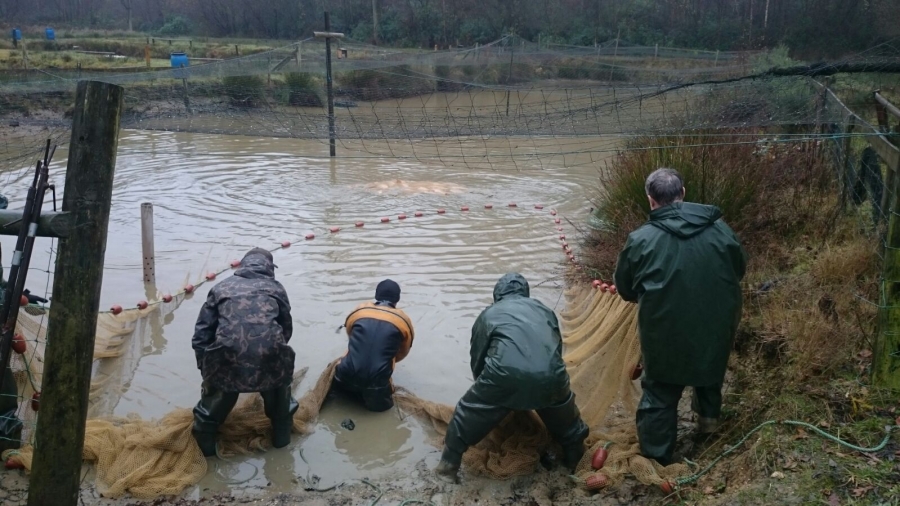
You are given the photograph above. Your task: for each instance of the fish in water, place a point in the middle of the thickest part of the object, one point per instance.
(399, 185)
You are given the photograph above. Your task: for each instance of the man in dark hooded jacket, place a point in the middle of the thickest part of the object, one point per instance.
(684, 268)
(241, 345)
(517, 363)
(380, 336)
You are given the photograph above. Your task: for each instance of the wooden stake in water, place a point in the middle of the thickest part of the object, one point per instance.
(147, 247)
(329, 85)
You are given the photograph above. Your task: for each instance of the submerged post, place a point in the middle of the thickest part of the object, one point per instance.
(147, 243)
(56, 473)
(329, 86)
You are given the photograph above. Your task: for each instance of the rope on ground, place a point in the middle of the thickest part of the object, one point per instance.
(696, 476)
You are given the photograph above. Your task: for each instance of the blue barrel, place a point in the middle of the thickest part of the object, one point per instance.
(178, 60)
(17, 34)
(51, 33)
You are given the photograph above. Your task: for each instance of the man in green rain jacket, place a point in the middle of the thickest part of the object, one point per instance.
(684, 268)
(517, 364)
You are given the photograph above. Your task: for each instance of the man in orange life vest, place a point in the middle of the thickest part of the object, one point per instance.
(380, 336)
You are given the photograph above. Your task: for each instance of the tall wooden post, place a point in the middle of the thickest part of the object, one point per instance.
(329, 85)
(147, 247)
(72, 326)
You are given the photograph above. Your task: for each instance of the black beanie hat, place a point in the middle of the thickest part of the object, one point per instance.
(388, 290)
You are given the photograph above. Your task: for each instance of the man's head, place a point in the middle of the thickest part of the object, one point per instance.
(260, 251)
(257, 262)
(664, 187)
(512, 283)
(388, 291)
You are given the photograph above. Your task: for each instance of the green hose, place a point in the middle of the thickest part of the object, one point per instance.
(696, 476)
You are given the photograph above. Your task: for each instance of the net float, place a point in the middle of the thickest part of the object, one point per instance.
(210, 276)
(557, 221)
(441, 211)
(513, 204)
(636, 372)
(612, 289)
(604, 287)
(596, 481)
(600, 456)
(310, 237)
(235, 264)
(667, 487)
(188, 288)
(285, 244)
(142, 304)
(565, 245)
(359, 224)
(553, 212)
(538, 207)
(562, 237)
(464, 208)
(167, 297)
(18, 344)
(418, 214)
(36, 401)
(559, 229)
(401, 217)
(335, 230)
(489, 206)
(572, 259)
(385, 219)
(115, 309)
(12, 463)
(596, 284)
(23, 301)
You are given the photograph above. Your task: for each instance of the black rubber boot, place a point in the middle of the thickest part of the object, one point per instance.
(448, 468)
(10, 425)
(564, 423)
(280, 408)
(209, 414)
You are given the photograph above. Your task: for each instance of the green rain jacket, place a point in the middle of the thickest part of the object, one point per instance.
(517, 350)
(684, 268)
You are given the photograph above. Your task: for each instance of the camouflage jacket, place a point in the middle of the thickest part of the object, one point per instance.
(243, 329)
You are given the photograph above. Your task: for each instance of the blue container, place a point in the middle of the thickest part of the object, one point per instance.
(51, 33)
(17, 34)
(178, 60)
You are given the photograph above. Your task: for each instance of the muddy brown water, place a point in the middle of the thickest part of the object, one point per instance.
(216, 196)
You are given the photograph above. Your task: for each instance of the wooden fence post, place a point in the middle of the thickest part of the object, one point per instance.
(56, 473)
(147, 243)
(886, 357)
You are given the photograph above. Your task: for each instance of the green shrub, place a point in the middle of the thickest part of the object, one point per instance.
(244, 91)
(176, 25)
(303, 90)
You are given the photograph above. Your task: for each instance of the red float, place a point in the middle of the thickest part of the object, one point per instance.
(489, 206)
(401, 217)
(142, 304)
(538, 207)
(464, 208)
(636, 372)
(418, 214)
(565, 245)
(562, 237)
(359, 224)
(235, 264)
(188, 288)
(167, 298)
(116, 309)
(600, 456)
(604, 288)
(553, 212)
(513, 204)
(667, 487)
(310, 237)
(36, 401)
(612, 289)
(210, 276)
(285, 244)
(441, 211)
(23, 301)
(13, 464)
(557, 221)
(596, 284)
(385, 219)
(18, 344)
(559, 228)
(596, 481)
(334, 230)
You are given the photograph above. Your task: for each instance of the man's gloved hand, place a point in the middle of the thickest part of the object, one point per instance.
(34, 299)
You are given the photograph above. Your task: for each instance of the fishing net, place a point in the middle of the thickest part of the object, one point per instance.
(152, 458)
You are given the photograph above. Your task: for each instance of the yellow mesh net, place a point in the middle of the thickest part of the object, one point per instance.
(148, 459)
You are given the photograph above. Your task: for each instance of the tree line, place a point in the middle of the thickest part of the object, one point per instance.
(813, 28)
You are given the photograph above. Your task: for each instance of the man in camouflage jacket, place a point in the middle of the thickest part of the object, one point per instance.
(241, 345)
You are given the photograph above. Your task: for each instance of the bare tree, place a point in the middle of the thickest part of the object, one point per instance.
(127, 4)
